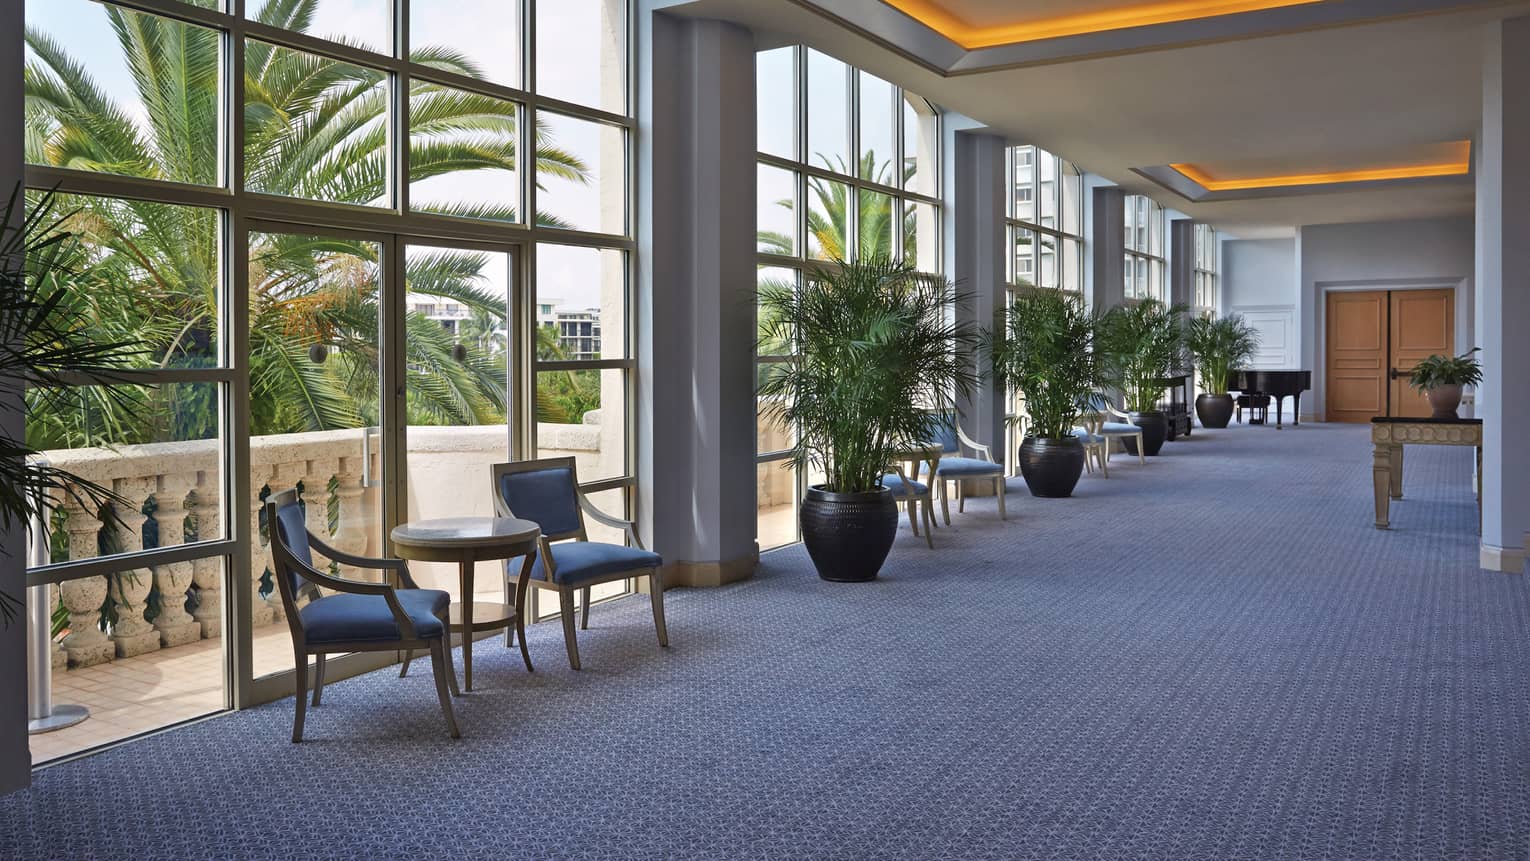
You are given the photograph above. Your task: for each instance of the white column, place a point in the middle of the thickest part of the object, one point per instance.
(695, 296)
(975, 261)
(1503, 294)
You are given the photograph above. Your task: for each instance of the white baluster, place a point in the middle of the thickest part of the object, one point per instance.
(207, 574)
(174, 624)
(83, 598)
(316, 497)
(130, 589)
(352, 532)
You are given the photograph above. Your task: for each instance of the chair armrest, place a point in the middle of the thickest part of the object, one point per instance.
(359, 587)
(1111, 408)
(396, 565)
(983, 450)
(604, 519)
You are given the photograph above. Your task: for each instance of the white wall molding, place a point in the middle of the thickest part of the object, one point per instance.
(1507, 560)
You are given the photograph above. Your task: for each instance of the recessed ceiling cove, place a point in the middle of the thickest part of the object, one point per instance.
(988, 23)
(1214, 180)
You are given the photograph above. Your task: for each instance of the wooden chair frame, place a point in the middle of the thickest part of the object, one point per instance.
(920, 506)
(284, 563)
(1122, 435)
(982, 452)
(549, 566)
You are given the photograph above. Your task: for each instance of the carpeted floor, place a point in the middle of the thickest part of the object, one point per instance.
(1211, 657)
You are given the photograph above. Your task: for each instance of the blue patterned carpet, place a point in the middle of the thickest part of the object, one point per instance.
(1211, 657)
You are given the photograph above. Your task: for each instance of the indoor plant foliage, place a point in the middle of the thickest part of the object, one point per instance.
(1046, 351)
(1141, 343)
(1218, 345)
(876, 350)
(1441, 379)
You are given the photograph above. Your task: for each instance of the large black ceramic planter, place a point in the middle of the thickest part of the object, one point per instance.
(1051, 466)
(1214, 411)
(1155, 429)
(848, 535)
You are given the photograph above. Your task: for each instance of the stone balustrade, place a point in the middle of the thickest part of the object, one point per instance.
(172, 493)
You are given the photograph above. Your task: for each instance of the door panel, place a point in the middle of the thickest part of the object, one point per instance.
(1357, 356)
(1423, 324)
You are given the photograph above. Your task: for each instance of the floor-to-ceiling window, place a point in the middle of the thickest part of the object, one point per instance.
(326, 232)
(848, 168)
(1207, 250)
(1145, 263)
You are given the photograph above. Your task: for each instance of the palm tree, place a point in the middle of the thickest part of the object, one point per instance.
(316, 128)
(827, 223)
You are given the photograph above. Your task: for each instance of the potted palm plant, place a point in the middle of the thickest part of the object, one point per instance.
(1441, 379)
(1217, 345)
(1046, 351)
(876, 350)
(1141, 343)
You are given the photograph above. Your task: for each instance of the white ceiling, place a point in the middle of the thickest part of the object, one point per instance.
(1271, 98)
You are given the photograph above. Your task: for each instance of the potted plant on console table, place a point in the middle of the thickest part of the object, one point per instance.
(1141, 343)
(876, 352)
(1217, 346)
(1441, 379)
(1047, 352)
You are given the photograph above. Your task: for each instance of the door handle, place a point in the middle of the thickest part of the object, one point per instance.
(1394, 373)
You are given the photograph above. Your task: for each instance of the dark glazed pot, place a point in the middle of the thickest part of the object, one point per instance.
(848, 535)
(1155, 429)
(1214, 411)
(1051, 466)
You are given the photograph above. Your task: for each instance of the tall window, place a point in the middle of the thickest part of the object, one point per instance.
(1207, 250)
(848, 169)
(1145, 267)
(1045, 220)
(336, 243)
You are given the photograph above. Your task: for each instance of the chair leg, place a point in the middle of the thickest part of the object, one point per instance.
(656, 598)
(584, 611)
(566, 605)
(945, 500)
(446, 652)
(1141, 451)
(318, 678)
(509, 599)
(913, 515)
(302, 696)
(1103, 455)
(961, 498)
(408, 656)
(439, 663)
(998, 488)
(927, 509)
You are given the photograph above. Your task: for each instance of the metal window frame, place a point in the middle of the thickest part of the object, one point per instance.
(1060, 234)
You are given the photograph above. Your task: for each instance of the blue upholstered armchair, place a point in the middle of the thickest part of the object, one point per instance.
(547, 492)
(359, 616)
(956, 466)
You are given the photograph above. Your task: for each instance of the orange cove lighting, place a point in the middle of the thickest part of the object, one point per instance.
(934, 15)
(1458, 165)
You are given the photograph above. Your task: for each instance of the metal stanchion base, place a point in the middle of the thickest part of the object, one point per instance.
(62, 717)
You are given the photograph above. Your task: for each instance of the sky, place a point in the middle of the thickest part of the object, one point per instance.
(484, 30)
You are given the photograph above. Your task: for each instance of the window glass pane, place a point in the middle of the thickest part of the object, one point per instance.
(878, 157)
(776, 101)
(585, 293)
(921, 139)
(777, 500)
(921, 236)
(362, 23)
(1046, 187)
(1024, 171)
(314, 128)
(462, 153)
(482, 40)
(1072, 200)
(87, 110)
(771, 278)
(776, 220)
(828, 219)
(140, 649)
(1073, 265)
(828, 113)
(156, 447)
(581, 52)
(581, 174)
(614, 503)
(1024, 257)
(876, 230)
(1047, 260)
(583, 414)
(141, 276)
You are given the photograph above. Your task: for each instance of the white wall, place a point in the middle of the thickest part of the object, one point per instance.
(1259, 281)
(1384, 255)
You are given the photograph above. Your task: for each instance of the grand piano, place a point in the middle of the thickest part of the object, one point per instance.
(1277, 384)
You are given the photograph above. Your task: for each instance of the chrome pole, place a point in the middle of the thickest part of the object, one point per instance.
(42, 714)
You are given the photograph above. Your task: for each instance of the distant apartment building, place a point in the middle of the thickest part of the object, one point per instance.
(579, 333)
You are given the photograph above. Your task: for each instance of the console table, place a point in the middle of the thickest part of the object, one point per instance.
(1389, 435)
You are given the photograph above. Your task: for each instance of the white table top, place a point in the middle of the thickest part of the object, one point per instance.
(448, 532)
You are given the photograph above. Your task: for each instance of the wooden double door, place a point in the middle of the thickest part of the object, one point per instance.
(1374, 337)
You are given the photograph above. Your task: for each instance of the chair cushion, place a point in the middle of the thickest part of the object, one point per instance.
(344, 618)
(957, 467)
(1119, 427)
(902, 487)
(1085, 437)
(545, 496)
(580, 561)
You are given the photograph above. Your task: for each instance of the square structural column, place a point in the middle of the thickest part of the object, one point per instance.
(15, 759)
(1109, 240)
(975, 239)
(1503, 294)
(695, 297)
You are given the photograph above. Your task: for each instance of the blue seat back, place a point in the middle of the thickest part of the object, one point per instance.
(942, 429)
(292, 529)
(547, 496)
